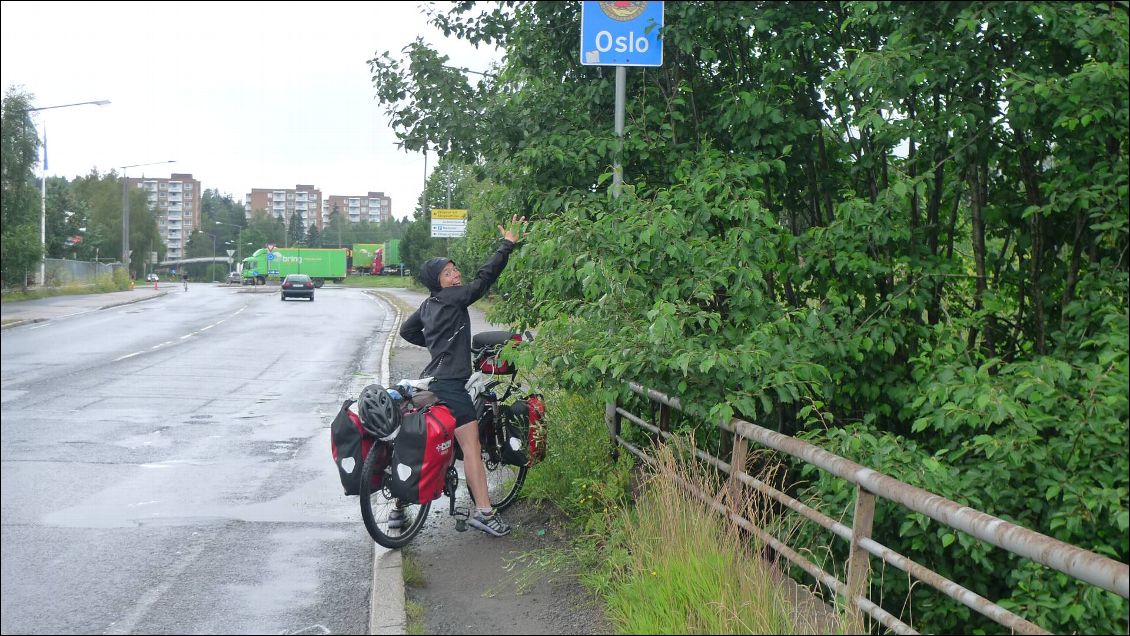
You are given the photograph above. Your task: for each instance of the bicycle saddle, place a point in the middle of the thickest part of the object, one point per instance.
(491, 338)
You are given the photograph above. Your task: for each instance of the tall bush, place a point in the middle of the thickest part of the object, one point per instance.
(898, 229)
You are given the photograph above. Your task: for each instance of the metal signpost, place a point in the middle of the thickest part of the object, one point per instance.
(621, 34)
(271, 271)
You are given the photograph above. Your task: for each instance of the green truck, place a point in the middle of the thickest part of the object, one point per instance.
(392, 264)
(367, 258)
(317, 263)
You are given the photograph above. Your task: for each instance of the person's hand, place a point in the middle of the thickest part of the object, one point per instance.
(516, 230)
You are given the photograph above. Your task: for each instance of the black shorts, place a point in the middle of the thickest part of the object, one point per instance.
(452, 393)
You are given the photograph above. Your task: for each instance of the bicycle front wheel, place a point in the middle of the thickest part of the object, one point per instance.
(377, 504)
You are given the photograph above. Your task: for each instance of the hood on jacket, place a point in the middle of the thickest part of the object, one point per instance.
(429, 273)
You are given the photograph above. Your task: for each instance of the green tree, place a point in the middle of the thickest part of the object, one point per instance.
(67, 217)
(231, 217)
(901, 230)
(262, 229)
(336, 232)
(100, 198)
(21, 253)
(19, 207)
(417, 244)
(296, 232)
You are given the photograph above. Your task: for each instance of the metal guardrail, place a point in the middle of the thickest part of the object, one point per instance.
(1076, 562)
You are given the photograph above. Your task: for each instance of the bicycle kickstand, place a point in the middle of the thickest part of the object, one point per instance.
(452, 486)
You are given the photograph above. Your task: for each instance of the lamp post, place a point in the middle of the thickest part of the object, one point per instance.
(212, 267)
(43, 184)
(125, 208)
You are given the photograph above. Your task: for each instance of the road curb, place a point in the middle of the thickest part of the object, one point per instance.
(386, 608)
(17, 323)
(132, 301)
(26, 321)
(386, 603)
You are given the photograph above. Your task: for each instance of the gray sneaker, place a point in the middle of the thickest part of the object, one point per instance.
(491, 524)
(397, 519)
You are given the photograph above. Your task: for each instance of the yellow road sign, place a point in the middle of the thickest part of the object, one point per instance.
(449, 215)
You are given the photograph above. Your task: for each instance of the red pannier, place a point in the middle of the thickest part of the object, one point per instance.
(530, 416)
(350, 445)
(536, 411)
(422, 454)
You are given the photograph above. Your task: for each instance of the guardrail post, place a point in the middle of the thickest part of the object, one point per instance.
(612, 421)
(726, 443)
(664, 422)
(738, 454)
(859, 562)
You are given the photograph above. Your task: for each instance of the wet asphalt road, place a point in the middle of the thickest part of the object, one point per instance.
(166, 466)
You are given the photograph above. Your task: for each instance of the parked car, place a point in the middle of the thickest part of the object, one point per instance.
(152, 278)
(298, 286)
(235, 278)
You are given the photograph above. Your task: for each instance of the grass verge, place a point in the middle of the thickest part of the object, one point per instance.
(102, 285)
(411, 571)
(415, 613)
(365, 282)
(663, 561)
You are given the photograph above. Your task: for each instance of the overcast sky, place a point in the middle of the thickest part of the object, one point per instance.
(241, 94)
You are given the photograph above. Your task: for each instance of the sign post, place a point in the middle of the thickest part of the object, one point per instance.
(621, 34)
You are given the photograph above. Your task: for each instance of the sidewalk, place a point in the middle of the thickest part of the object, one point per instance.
(14, 314)
(405, 360)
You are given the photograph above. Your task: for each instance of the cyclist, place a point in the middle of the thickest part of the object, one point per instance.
(443, 325)
(184, 277)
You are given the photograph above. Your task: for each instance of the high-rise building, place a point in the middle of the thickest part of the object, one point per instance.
(306, 200)
(175, 202)
(374, 207)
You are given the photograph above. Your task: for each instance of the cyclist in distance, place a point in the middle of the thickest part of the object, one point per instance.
(443, 325)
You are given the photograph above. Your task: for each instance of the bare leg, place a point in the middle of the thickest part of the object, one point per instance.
(473, 469)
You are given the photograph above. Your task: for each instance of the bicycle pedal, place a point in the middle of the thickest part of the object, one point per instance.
(461, 515)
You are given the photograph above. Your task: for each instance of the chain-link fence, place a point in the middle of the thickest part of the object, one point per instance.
(62, 272)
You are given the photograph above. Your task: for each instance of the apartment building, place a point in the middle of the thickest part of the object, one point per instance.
(175, 202)
(306, 200)
(373, 207)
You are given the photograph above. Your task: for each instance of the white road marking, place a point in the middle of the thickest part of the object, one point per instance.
(184, 337)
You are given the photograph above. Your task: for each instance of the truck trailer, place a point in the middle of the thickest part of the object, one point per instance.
(320, 264)
(367, 258)
(392, 264)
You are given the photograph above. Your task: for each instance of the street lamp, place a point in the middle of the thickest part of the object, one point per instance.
(43, 185)
(212, 267)
(125, 207)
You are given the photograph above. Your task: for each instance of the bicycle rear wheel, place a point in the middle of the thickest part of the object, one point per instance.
(504, 482)
(377, 503)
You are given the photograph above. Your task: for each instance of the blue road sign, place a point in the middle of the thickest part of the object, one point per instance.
(621, 33)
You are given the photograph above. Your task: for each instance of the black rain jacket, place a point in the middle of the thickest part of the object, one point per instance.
(443, 324)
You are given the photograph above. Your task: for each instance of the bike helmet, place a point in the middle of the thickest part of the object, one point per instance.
(378, 411)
